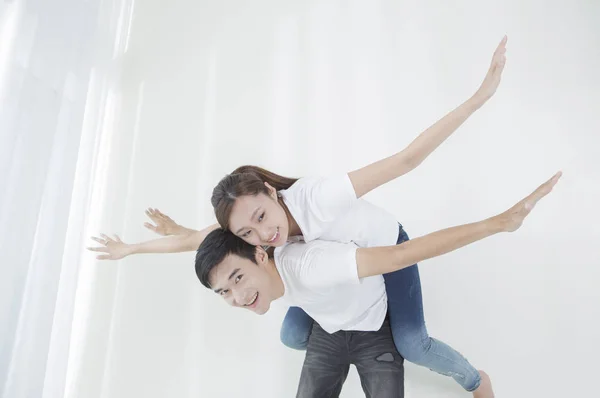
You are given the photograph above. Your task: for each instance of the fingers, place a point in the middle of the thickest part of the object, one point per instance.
(103, 239)
(150, 227)
(162, 215)
(103, 249)
(541, 191)
(156, 215)
(150, 212)
(500, 63)
(501, 49)
(99, 240)
(106, 238)
(499, 57)
(546, 187)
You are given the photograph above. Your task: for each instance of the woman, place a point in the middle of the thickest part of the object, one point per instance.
(266, 209)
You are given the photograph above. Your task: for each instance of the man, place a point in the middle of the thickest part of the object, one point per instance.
(329, 356)
(339, 285)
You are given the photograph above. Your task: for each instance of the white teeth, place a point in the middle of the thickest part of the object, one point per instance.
(253, 299)
(274, 236)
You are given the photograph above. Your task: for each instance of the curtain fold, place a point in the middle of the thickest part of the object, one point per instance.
(58, 63)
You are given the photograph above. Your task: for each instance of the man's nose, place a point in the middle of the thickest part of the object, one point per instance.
(240, 296)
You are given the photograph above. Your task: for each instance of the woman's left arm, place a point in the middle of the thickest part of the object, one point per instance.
(376, 174)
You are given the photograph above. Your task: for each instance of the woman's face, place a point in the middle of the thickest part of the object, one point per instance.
(260, 219)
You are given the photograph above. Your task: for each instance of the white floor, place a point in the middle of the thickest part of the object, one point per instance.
(316, 87)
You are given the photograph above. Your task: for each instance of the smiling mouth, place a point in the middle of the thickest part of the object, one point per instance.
(253, 301)
(275, 237)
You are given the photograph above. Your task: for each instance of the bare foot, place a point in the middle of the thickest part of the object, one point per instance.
(485, 388)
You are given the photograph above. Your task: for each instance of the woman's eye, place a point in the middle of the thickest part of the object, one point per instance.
(224, 292)
(246, 234)
(261, 217)
(238, 278)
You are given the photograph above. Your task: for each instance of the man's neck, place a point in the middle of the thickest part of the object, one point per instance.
(278, 286)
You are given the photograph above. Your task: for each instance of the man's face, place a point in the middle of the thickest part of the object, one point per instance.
(243, 283)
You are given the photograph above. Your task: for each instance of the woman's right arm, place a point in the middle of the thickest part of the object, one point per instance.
(115, 248)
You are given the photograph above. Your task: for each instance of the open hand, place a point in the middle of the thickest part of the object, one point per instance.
(163, 224)
(513, 218)
(114, 248)
(494, 74)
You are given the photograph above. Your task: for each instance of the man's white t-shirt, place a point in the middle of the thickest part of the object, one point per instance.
(321, 277)
(320, 274)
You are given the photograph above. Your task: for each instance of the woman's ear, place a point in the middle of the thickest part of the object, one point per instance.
(272, 191)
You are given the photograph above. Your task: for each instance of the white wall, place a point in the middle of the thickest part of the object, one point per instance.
(320, 87)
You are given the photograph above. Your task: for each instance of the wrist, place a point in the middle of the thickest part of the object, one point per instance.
(495, 224)
(476, 101)
(178, 230)
(131, 249)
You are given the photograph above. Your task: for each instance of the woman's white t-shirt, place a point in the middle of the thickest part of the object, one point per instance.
(326, 208)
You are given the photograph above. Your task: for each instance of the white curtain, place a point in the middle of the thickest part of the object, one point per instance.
(110, 107)
(58, 68)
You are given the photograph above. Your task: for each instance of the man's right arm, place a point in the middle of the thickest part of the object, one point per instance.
(382, 260)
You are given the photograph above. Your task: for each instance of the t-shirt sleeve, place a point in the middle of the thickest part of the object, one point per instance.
(330, 264)
(320, 201)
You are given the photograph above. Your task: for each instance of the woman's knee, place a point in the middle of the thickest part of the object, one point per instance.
(413, 346)
(296, 328)
(294, 338)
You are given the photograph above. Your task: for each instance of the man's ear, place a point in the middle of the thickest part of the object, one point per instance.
(261, 256)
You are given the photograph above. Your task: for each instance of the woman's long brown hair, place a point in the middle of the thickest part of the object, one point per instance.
(245, 180)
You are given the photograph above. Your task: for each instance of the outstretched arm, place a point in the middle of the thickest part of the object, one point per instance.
(183, 239)
(382, 260)
(376, 174)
